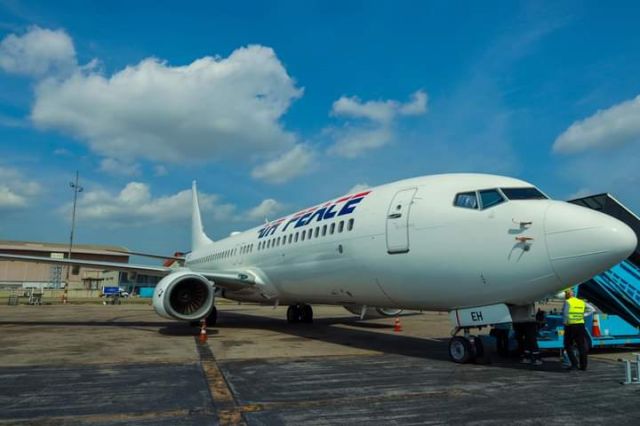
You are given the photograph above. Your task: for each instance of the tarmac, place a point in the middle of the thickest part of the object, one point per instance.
(123, 365)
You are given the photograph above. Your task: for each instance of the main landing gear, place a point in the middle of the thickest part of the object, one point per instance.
(300, 313)
(464, 349)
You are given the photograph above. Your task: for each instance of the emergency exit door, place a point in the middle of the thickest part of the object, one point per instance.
(398, 221)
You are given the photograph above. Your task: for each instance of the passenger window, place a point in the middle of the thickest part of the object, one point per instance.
(490, 198)
(317, 232)
(341, 226)
(296, 238)
(350, 224)
(332, 228)
(324, 230)
(303, 235)
(290, 238)
(268, 243)
(468, 200)
(278, 241)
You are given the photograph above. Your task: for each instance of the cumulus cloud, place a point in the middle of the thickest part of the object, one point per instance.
(135, 205)
(373, 122)
(267, 209)
(609, 128)
(15, 191)
(287, 166)
(38, 52)
(212, 109)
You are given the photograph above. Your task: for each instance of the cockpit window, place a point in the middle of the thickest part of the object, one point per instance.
(467, 200)
(490, 198)
(523, 194)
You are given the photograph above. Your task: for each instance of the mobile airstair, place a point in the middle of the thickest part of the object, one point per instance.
(615, 292)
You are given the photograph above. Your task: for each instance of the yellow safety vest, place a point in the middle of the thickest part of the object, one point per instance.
(576, 311)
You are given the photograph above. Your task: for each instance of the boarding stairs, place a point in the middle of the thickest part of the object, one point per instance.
(617, 290)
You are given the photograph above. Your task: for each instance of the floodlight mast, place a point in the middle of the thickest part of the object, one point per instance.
(76, 189)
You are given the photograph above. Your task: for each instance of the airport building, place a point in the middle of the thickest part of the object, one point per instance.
(17, 274)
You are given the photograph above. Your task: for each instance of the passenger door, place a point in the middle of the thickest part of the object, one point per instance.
(398, 221)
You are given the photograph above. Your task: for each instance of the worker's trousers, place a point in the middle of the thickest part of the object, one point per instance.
(575, 334)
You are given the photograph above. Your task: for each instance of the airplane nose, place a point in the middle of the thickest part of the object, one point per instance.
(583, 242)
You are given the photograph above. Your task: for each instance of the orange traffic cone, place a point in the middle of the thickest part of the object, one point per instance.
(397, 327)
(595, 331)
(202, 338)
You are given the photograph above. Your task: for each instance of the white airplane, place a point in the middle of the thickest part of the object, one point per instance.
(478, 246)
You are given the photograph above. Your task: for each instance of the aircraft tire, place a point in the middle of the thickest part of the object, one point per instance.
(306, 313)
(460, 350)
(293, 314)
(478, 348)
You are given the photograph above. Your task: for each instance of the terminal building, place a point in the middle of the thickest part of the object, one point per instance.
(17, 274)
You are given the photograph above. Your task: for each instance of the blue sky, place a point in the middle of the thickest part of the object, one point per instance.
(273, 106)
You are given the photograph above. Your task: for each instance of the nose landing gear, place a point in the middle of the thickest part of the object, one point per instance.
(465, 349)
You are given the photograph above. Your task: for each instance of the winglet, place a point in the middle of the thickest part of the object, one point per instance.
(198, 237)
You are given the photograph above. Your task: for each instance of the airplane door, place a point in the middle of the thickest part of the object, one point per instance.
(398, 221)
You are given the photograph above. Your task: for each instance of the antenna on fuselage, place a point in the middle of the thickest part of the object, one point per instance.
(198, 237)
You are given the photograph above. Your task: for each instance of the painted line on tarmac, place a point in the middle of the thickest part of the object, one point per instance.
(229, 413)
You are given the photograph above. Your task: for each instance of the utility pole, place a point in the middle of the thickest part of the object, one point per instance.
(76, 189)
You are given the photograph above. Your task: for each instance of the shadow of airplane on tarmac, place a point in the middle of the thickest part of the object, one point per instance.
(357, 334)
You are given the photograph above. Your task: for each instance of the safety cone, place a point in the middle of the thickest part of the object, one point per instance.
(202, 338)
(595, 331)
(397, 327)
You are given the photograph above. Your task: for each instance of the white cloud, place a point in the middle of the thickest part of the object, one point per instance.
(267, 209)
(382, 111)
(119, 168)
(375, 122)
(417, 106)
(38, 52)
(358, 187)
(289, 165)
(212, 109)
(379, 111)
(135, 205)
(609, 128)
(16, 191)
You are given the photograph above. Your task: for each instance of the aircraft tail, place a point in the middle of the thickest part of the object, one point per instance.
(198, 237)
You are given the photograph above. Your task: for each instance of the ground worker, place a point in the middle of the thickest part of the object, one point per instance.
(573, 312)
(529, 327)
(525, 328)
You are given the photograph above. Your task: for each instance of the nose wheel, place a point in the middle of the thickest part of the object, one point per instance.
(463, 350)
(300, 313)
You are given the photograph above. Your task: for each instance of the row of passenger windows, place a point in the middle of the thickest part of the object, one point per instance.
(317, 232)
(225, 254)
(490, 197)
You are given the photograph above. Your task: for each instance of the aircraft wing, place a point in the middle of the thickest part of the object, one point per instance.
(230, 280)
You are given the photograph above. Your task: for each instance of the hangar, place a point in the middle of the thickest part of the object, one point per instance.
(18, 274)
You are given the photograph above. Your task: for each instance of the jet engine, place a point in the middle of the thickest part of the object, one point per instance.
(373, 312)
(183, 295)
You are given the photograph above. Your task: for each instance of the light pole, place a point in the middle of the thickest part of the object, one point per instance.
(76, 189)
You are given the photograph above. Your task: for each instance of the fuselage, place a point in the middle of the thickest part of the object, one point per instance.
(435, 243)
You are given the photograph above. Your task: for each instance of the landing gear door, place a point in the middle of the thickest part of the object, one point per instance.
(398, 221)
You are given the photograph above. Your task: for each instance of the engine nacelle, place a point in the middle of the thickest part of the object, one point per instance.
(373, 312)
(183, 295)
